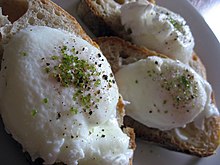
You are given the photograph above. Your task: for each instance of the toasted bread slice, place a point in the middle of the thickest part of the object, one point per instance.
(41, 13)
(200, 142)
(103, 17)
(46, 13)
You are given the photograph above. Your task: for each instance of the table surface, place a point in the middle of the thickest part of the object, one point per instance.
(210, 10)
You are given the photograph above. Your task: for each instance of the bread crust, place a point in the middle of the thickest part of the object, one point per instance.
(200, 143)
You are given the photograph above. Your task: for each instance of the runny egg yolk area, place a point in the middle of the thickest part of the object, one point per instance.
(164, 93)
(58, 99)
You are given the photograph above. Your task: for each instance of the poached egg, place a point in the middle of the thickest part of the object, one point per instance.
(164, 93)
(159, 29)
(58, 99)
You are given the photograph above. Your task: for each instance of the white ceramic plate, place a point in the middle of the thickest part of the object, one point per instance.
(207, 47)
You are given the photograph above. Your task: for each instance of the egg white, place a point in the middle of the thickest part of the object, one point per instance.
(164, 93)
(36, 107)
(158, 29)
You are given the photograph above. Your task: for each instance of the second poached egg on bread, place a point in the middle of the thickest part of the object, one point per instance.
(159, 29)
(165, 93)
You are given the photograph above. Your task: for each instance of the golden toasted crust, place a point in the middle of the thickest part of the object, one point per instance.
(200, 142)
(129, 131)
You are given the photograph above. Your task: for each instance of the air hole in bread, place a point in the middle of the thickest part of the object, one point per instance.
(57, 13)
(43, 1)
(98, 2)
(14, 10)
(40, 15)
(56, 23)
(120, 1)
(31, 21)
(195, 58)
(105, 12)
(129, 31)
(123, 54)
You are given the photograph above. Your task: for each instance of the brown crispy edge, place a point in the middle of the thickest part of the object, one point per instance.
(128, 130)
